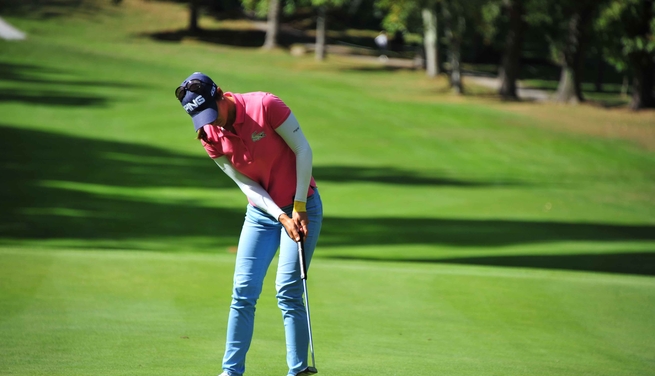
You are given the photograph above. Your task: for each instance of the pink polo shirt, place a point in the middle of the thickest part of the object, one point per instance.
(257, 151)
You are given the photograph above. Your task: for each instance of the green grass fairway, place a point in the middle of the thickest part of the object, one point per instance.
(462, 236)
(116, 313)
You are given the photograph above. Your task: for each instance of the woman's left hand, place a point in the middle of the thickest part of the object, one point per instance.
(301, 220)
(290, 226)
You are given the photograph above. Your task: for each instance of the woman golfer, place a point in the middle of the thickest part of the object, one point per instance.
(257, 141)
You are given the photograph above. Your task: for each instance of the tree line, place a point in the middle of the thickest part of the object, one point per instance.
(620, 32)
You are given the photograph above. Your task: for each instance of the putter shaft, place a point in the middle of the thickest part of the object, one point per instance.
(303, 276)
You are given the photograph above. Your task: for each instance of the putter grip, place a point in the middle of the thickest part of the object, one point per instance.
(301, 258)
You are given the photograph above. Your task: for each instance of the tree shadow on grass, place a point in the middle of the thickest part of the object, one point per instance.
(52, 98)
(381, 67)
(57, 186)
(30, 73)
(29, 86)
(340, 231)
(48, 183)
(396, 176)
(240, 38)
(488, 234)
(45, 9)
(638, 263)
(642, 263)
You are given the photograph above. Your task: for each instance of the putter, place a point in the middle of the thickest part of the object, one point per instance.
(303, 276)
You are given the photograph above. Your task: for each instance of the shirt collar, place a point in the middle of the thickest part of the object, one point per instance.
(240, 109)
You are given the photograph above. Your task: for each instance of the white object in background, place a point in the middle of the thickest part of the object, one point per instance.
(9, 32)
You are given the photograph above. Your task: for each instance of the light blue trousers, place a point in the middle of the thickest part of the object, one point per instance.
(260, 238)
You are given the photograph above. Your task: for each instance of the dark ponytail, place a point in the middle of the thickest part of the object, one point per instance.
(202, 135)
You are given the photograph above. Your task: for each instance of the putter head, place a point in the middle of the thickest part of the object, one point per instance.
(308, 371)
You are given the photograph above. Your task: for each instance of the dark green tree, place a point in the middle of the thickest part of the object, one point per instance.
(322, 7)
(194, 15)
(514, 17)
(569, 46)
(272, 24)
(627, 28)
(510, 66)
(271, 9)
(454, 27)
(401, 14)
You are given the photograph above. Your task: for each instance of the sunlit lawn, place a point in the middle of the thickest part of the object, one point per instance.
(463, 236)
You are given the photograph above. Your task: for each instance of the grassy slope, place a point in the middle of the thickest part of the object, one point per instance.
(96, 154)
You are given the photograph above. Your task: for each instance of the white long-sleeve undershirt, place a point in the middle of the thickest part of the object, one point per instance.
(290, 131)
(292, 134)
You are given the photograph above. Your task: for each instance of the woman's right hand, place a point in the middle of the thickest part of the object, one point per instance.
(290, 226)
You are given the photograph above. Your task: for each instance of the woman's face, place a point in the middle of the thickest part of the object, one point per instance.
(221, 119)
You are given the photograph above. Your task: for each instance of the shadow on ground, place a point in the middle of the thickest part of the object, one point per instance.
(44, 9)
(240, 38)
(30, 86)
(51, 182)
(57, 186)
(487, 234)
(639, 263)
(471, 232)
(396, 176)
(625, 263)
(60, 186)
